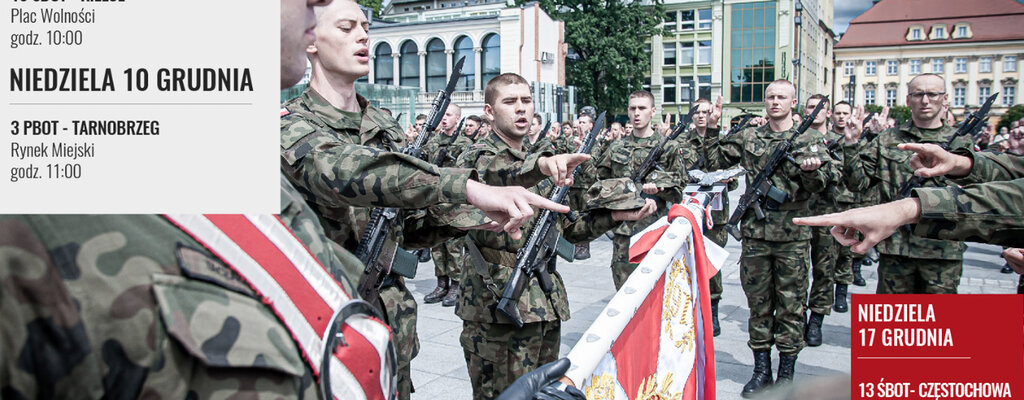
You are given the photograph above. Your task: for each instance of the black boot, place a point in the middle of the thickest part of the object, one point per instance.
(1006, 269)
(582, 251)
(762, 374)
(786, 365)
(812, 334)
(858, 279)
(439, 292)
(423, 255)
(453, 293)
(715, 327)
(840, 304)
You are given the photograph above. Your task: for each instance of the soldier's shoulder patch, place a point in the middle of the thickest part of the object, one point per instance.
(284, 111)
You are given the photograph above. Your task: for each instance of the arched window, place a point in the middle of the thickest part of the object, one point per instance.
(437, 68)
(383, 65)
(464, 48)
(491, 58)
(409, 65)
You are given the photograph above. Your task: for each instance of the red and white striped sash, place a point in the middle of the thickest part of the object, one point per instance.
(305, 297)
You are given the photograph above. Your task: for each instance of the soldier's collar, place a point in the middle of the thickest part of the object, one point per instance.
(500, 145)
(334, 117)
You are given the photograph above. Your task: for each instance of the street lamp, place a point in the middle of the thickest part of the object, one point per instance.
(797, 22)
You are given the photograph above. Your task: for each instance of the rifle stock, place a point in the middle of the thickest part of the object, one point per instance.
(532, 258)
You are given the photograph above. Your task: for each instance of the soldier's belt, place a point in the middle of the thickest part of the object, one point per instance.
(793, 205)
(498, 257)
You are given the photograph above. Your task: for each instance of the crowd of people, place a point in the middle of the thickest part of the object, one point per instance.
(135, 305)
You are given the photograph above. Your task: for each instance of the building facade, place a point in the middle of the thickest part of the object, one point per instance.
(976, 46)
(416, 43)
(735, 48)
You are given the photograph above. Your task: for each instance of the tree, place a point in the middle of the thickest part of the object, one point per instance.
(1014, 113)
(607, 40)
(374, 5)
(899, 113)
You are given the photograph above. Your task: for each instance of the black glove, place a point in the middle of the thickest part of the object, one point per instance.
(531, 384)
(560, 391)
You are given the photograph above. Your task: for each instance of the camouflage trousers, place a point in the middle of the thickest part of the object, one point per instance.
(823, 261)
(621, 267)
(774, 277)
(842, 273)
(448, 259)
(400, 307)
(906, 275)
(719, 236)
(497, 354)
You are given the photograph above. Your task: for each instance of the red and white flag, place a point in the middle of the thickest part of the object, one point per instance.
(654, 339)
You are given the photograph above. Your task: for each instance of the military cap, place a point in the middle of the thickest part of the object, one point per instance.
(614, 194)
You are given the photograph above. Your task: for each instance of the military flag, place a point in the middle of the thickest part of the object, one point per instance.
(654, 338)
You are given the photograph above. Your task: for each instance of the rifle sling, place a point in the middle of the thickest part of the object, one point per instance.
(481, 266)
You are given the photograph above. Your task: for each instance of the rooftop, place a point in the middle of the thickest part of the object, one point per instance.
(888, 22)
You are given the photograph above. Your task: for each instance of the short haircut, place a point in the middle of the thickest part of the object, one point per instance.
(474, 118)
(587, 116)
(927, 74)
(421, 117)
(642, 94)
(539, 119)
(616, 123)
(819, 97)
(784, 83)
(844, 102)
(506, 79)
(702, 101)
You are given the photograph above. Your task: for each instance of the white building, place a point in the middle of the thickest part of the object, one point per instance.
(416, 43)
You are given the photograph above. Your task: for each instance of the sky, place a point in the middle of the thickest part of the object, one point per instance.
(846, 10)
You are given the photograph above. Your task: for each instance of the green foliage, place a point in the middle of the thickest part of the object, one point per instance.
(1014, 113)
(900, 113)
(608, 37)
(374, 5)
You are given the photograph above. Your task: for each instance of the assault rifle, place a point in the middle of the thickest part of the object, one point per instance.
(651, 162)
(739, 127)
(864, 128)
(532, 258)
(762, 188)
(973, 122)
(371, 243)
(443, 154)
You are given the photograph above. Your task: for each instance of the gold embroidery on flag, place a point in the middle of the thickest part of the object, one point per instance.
(678, 305)
(601, 387)
(649, 389)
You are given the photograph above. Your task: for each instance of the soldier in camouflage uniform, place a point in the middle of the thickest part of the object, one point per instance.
(117, 306)
(848, 264)
(448, 254)
(909, 264)
(496, 351)
(823, 246)
(319, 121)
(700, 139)
(986, 209)
(773, 265)
(623, 157)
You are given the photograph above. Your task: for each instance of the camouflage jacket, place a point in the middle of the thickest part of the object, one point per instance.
(751, 149)
(439, 141)
(988, 210)
(827, 201)
(624, 156)
(129, 306)
(700, 145)
(313, 132)
(881, 164)
(500, 165)
(846, 197)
